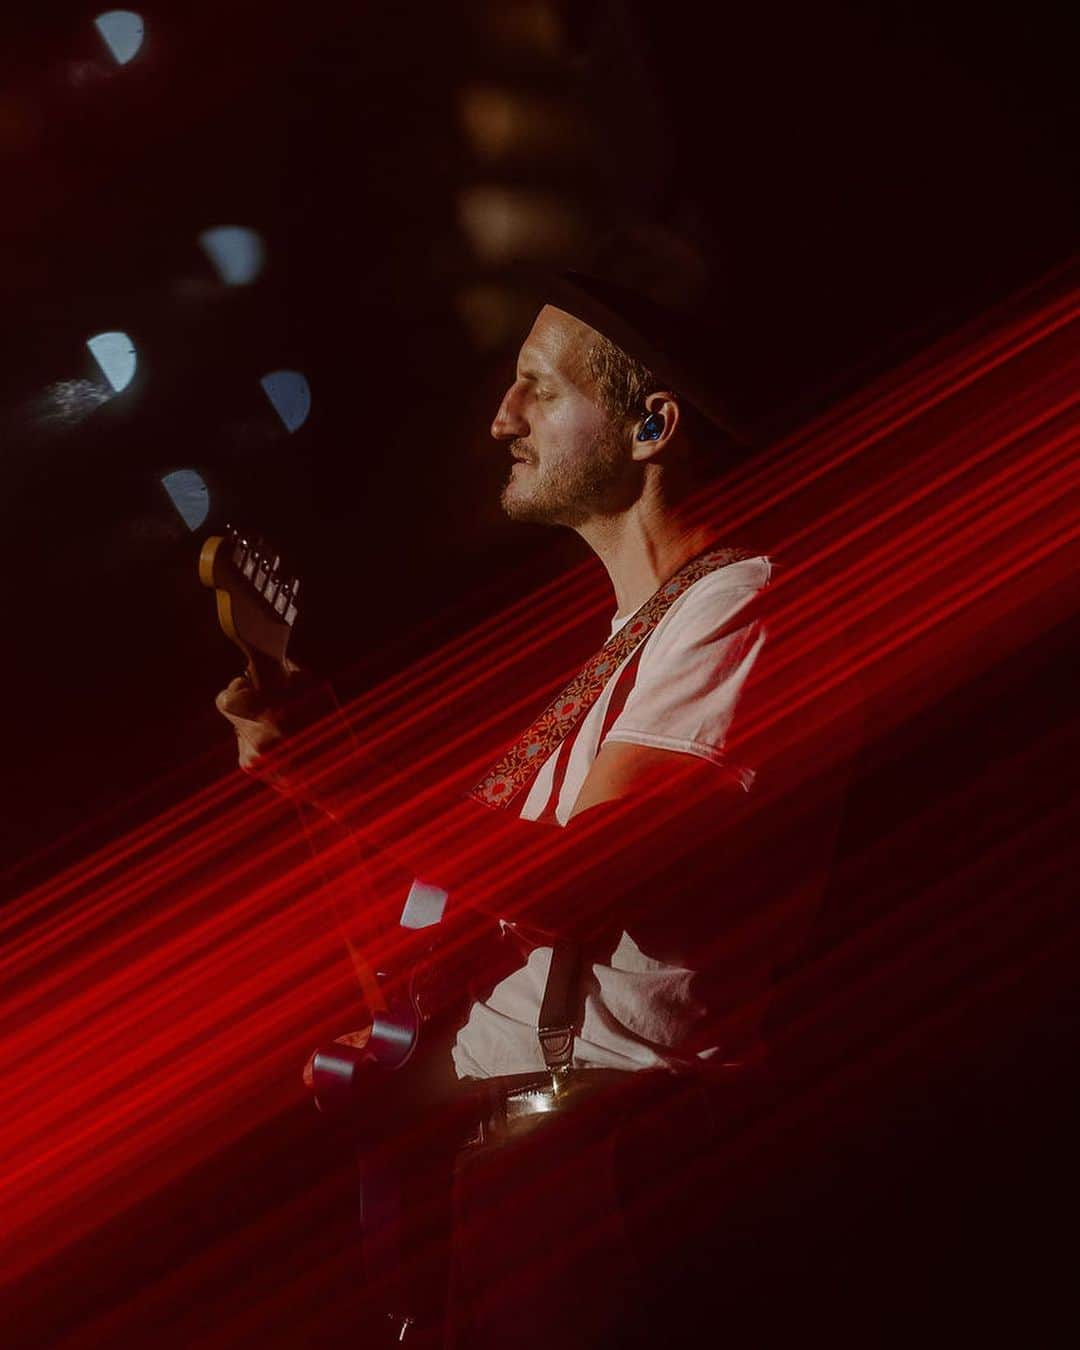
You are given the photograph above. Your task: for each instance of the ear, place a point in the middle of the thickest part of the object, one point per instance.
(664, 405)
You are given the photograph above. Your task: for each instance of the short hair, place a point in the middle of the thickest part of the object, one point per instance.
(623, 383)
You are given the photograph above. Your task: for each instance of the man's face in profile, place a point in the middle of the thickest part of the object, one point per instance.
(571, 462)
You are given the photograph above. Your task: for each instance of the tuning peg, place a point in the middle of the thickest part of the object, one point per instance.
(290, 611)
(273, 580)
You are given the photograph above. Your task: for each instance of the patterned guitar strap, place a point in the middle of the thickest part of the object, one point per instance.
(513, 774)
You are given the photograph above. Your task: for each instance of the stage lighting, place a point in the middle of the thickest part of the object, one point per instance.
(69, 402)
(115, 354)
(290, 394)
(534, 26)
(237, 253)
(122, 31)
(189, 494)
(506, 223)
(503, 124)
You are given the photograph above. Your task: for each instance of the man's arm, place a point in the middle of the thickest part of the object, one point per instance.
(647, 823)
(623, 771)
(635, 809)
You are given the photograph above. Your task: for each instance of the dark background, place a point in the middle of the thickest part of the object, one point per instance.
(870, 175)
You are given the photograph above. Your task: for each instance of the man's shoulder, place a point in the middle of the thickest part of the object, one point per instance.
(754, 571)
(727, 586)
(721, 601)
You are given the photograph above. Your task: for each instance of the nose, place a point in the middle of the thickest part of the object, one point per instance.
(510, 423)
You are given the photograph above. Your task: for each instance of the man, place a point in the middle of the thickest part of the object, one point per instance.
(679, 874)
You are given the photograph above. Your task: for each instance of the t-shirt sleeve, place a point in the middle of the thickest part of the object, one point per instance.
(694, 674)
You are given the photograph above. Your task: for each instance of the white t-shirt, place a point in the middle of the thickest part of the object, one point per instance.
(678, 691)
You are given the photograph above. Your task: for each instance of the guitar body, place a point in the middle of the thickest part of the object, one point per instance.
(423, 1008)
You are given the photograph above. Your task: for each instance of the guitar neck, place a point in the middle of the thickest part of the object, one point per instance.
(266, 674)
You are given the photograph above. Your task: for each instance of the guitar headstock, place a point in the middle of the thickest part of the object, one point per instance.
(257, 601)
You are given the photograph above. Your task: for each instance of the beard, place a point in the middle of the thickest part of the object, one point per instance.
(570, 491)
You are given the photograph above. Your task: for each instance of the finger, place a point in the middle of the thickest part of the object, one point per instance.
(239, 700)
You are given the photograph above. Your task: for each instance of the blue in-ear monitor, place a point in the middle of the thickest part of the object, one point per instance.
(652, 428)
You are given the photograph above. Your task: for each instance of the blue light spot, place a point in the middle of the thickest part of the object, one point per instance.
(290, 394)
(189, 494)
(122, 31)
(115, 354)
(238, 254)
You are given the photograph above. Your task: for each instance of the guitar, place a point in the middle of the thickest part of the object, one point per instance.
(257, 609)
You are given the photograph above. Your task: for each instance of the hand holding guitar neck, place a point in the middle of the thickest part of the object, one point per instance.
(257, 607)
